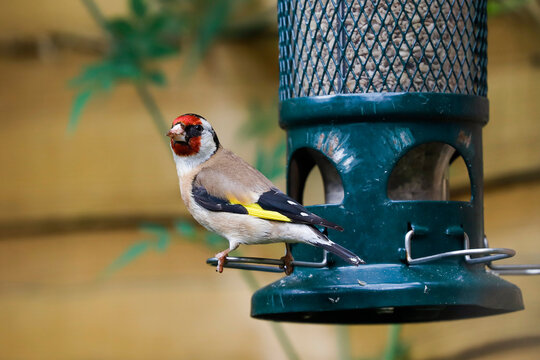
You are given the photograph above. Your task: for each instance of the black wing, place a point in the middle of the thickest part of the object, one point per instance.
(275, 200)
(214, 203)
(271, 205)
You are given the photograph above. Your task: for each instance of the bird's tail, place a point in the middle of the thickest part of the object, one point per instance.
(337, 249)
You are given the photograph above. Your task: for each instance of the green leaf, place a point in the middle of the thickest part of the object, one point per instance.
(138, 7)
(158, 23)
(80, 101)
(120, 27)
(278, 160)
(271, 162)
(214, 241)
(126, 70)
(160, 234)
(494, 8)
(157, 77)
(166, 23)
(162, 243)
(161, 49)
(261, 161)
(262, 121)
(501, 7)
(92, 74)
(217, 14)
(133, 252)
(280, 151)
(186, 229)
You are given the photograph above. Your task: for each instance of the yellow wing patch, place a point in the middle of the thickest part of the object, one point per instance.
(257, 211)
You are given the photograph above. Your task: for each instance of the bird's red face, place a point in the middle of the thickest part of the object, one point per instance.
(185, 134)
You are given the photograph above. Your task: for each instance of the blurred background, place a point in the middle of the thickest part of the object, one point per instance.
(98, 257)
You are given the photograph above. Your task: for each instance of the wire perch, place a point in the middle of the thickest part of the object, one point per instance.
(266, 264)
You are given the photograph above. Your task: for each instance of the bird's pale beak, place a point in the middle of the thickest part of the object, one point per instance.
(176, 133)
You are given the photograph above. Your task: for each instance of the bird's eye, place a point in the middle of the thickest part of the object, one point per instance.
(194, 130)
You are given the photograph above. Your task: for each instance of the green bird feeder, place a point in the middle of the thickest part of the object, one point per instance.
(382, 96)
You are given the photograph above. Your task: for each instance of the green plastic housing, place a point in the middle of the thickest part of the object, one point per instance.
(364, 136)
(363, 84)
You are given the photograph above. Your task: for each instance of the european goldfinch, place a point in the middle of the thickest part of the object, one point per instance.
(228, 196)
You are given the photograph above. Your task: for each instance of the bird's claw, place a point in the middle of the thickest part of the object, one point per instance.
(220, 264)
(222, 259)
(287, 266)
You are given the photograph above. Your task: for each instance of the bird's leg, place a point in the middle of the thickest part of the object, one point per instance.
(222, 258)
(287, 260)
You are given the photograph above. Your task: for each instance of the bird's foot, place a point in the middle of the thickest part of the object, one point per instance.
(287, 266)
(222, 259)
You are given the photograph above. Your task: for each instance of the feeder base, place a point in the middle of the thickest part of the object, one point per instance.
(386, 293)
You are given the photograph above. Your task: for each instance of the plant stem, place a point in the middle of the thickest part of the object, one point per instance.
(344, 342)
(250, 280)
(284, 341)
(153, 109)
(392, 345)
(280, 333)
(95, 12)
(142, 89)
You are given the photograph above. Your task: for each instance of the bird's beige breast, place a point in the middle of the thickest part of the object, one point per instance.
(186, 185)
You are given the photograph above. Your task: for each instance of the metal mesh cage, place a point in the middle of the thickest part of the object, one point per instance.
(364, 46)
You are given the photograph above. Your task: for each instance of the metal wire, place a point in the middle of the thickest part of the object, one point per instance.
(491, 254)
(528, 269)
(521, 269)
(266, 264)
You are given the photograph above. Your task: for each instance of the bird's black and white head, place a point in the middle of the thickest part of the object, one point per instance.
(193, 141)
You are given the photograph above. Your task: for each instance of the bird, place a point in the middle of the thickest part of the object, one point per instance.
(228, 196)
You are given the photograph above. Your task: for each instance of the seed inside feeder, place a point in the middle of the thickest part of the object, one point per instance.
(360, 46)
